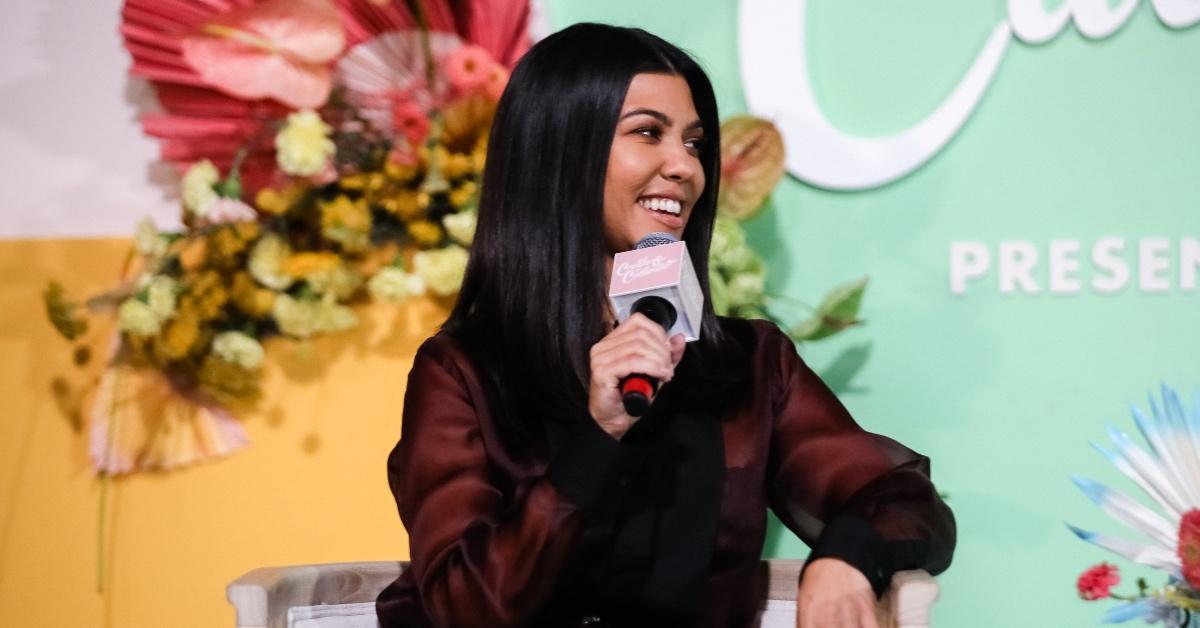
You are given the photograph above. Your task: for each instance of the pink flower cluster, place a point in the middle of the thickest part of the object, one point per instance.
(471, 68)
(1097, 582)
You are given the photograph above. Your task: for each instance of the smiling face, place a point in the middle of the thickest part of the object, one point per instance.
(654, 171)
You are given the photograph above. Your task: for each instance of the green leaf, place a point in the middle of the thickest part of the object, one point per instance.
(837, 311)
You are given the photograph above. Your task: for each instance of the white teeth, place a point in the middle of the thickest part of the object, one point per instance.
(662, 205)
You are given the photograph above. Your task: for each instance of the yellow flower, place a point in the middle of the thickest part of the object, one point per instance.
(278, 202)
(227, 242)
(206, 295)
(179, 336)
(249, 298)
(457, 165)
(324, 272)
(266, 262)
(135, 317)
(460, 226)
(199, 186)
(347, 222)
(393, 285)
(238, 348)
(303, 318)
(401, 171)
(441, 269)
(425, 232)
(303, 146)
(403, 203)
(301, 265)
(463, 194)
(479, 154)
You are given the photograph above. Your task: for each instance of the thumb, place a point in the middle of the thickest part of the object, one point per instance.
(678, 344)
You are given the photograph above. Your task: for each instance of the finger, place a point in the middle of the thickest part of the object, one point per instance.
(608, 375)
(869, 620)
(641, 321)
(620, 346)
(678, 344)
(616, 357)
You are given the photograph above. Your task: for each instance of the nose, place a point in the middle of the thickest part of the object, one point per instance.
(679, 164)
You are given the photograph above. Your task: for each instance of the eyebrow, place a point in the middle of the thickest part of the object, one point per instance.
(660, 116)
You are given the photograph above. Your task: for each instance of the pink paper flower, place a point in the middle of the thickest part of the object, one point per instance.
(1097, 582)
(1189, 546)
(468, 67)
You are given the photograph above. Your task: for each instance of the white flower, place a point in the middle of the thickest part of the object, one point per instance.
(266, 262)
(303, 146)
(199, 186)
(137, 318)
(238, 348)
(338, 280)
(148, 241)
(393, 285)
(161, 293)
(441, 269)
(225, 210)
(460, 226)
(303, 318)
(745, 289)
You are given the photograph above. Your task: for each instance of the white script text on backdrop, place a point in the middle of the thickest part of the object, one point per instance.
(773, 44)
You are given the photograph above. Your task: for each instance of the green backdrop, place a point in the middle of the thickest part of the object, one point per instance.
(1074, 139)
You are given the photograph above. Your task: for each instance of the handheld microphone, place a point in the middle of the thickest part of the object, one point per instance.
(657, 280)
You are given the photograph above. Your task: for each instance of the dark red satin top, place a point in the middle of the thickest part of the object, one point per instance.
(492, 536)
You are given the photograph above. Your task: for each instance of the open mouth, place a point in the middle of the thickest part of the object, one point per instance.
(668, 206)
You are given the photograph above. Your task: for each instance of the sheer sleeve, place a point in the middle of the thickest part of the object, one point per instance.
(848, 493)
(478, 557)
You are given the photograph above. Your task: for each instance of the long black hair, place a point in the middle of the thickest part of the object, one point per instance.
(532, 302)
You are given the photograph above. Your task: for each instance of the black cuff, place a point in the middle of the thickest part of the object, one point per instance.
(853, 540)
(591, 467)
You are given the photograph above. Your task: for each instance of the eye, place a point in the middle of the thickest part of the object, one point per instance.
(652, 132)
(695, 144)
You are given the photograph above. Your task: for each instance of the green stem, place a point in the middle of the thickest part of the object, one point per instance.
(426, 46)
(104, 480)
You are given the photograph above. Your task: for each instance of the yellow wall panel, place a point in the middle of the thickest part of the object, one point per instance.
(310, 488)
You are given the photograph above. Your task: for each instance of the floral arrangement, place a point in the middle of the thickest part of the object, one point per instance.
(331, 153)
(1167, 473)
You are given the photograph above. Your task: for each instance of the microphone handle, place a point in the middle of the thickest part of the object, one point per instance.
(637, 390)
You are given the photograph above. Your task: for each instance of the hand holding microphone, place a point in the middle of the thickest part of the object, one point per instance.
(638, 345)
(654, 291)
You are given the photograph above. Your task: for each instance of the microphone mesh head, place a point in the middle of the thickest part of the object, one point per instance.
(655, 239)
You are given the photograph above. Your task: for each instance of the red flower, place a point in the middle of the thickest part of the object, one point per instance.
(410, 121)
(1189, 546)
(1096, 583)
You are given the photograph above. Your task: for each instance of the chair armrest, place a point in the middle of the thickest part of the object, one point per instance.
(262, 597)
(907, 603)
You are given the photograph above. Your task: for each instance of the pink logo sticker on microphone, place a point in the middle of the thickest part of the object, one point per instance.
(646, 269)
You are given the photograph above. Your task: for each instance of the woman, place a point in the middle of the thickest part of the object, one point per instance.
(530, 497)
